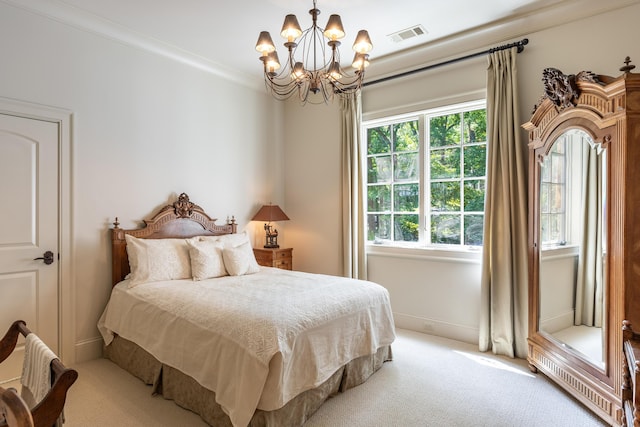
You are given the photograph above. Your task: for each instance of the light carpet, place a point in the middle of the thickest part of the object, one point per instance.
(432, 381)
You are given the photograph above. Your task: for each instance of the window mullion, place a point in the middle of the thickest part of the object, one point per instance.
(422, 165)
(461, 177)
(393, 183)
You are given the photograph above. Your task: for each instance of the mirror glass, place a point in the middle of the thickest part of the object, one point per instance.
(573, 245)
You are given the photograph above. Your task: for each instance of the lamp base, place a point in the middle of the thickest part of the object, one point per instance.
(271, 240)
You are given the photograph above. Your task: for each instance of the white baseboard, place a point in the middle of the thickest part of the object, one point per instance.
(89, 349)
(557, 323)
(436, 327)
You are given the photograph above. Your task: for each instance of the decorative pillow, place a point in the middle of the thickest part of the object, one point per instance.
(206, 259)
(240, 260)
(152, 260)
(227, 240)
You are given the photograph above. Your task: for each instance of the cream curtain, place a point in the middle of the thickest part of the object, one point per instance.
(589, 284)
(504, 289)
(353, 177)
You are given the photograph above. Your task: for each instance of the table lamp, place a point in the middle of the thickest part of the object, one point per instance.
(270, 213)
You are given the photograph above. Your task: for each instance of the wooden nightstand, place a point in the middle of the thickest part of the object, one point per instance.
(279, 258)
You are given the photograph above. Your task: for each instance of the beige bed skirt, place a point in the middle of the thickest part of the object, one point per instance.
(188, 393)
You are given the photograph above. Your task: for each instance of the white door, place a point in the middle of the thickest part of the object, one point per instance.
(29, 150)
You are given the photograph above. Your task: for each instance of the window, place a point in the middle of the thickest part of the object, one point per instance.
(431, 166)
(553, 195)
(565, 175)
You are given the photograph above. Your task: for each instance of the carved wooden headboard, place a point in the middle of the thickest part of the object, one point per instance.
(182, 219)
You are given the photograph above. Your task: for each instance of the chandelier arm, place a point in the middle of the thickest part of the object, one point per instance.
(284, 74)
(282, 95)
(290, 47)
(335, 53)
(284, 91)
(347, 80)
(289, 80)
(328, 96)
(355, 80)
(280, 88)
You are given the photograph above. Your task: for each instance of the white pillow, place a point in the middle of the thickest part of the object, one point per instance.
(227, 240)
(206, 259)
(240, 260)
(152, 260)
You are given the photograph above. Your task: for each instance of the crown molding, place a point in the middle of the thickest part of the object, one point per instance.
(77, 18)
(481, 38)
(436, 51)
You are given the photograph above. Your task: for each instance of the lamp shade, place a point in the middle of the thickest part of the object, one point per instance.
(270, 213)
(290, 28)
(334, 29)
(363, 42)
(265, 44)
(272, 63)
(360, 61)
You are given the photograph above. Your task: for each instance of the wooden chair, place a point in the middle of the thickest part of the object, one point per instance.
(47, 411)
(14, 410)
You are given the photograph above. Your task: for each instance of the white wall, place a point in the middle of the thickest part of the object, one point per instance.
(313, 187)
(427, 293)
(145, 128)
(558, 281)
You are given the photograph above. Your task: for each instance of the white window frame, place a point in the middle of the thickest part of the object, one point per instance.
(421, 116)
(572, 193)
(564, 237)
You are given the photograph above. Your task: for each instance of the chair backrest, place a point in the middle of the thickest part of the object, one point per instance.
(14, 410)
(49, 409)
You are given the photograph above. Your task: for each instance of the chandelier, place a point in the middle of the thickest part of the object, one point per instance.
(317, 68)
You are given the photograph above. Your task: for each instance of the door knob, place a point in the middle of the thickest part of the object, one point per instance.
(47, 257)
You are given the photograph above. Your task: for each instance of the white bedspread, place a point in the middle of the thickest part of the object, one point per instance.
(256, 340)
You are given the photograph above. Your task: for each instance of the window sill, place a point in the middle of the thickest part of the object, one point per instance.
(448, 254)
(557, 251)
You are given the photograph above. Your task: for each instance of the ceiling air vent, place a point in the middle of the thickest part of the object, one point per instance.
(409, 33)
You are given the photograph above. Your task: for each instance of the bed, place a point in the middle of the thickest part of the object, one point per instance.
(192, 313)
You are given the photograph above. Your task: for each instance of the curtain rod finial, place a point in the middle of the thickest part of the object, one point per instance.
(521, 44)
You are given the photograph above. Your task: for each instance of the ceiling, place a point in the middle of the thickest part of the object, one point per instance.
(221, 35)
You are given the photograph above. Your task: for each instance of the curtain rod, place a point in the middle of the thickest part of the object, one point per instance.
(520, 45)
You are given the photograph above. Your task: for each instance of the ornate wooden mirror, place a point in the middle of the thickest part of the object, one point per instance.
(582, 227)
(572, 190)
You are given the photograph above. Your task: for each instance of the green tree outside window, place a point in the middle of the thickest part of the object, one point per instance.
(454, 152)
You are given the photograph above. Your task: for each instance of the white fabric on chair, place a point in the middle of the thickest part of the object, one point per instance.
(36, 370)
